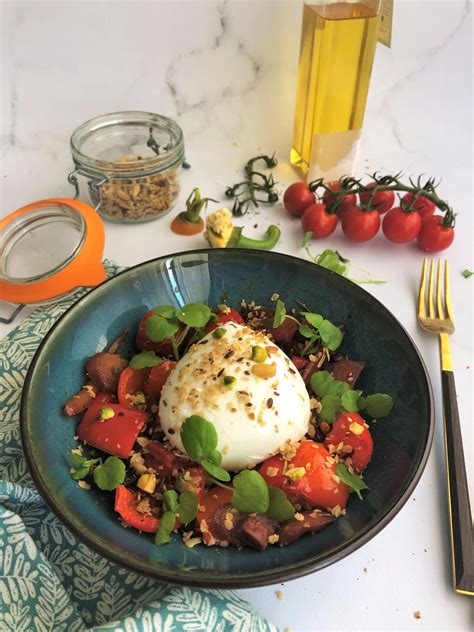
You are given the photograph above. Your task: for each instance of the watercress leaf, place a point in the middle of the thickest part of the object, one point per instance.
(164, 310)
(145, 359)
(350, 400)
(80, 473)
(163, 534)
(320, 382)
(378, 405)
(306, 331)
(307, 238)
(330, 406)
(361, 403)
(77, 460)
(158, 328)
(199, 437)
(171, 500)
(280, 509)
(330, 335)
(351, 480)
(215, 457)
(215, 470)
(313, 319)
(467, 273)
(187, 507)
(280, 314)
(110, 474)
(333, 261)
(194, 314)
(336, 387)
(251, 493)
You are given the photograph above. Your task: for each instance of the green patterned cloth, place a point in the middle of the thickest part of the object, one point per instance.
(49, 581)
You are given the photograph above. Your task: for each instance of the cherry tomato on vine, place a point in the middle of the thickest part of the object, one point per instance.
(381, 201)
(422, 205)
(317, 220)
(401, 226)
(348, 201)
(436, 233)
(359, 225)
(297, 198)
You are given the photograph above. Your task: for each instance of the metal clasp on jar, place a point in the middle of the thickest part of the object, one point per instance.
(94, 185)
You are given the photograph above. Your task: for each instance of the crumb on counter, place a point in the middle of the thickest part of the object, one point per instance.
(417, 614)
(279, 594)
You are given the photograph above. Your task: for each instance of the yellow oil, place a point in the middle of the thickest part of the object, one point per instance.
(338, 44)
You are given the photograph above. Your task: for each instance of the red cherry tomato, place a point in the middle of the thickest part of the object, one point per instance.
(162, 348)
(126, 505)
(401, 226)
(232, 316)
(348, 201)
(424, 207)
(381, 201)
(344, 432)
(297, 198)
(317, 487)
(156, 379)
(317, 220)
(434, 235)
(359, 225)
(131, 381)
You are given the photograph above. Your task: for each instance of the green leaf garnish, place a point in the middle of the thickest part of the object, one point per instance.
(330, 406)
(378, 405)
(306, 331)
(170, 498)
(158, 328)
(320, 382)
(351, 480)
(308, 236)
(199, 437)
(280, 509)
(80, 473)
(187, 507)
(336, 387)
(215, 457)
(194, 315)
(164, 310)
(330, 334)
(467, 273)
(332, 260)
(350, 400)
(251, 493)
(145, 359)
(81, 464)
(163, 535)
(215, 470)
(110, 474)
(280, 314)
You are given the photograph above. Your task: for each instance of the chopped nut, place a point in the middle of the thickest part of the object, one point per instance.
(265, 371)
(273, 539)
(296, 473)
(83, 484)
(298, 517)
(417, 614)
(271, 471)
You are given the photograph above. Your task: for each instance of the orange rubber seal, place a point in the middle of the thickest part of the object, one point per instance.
(83, 269)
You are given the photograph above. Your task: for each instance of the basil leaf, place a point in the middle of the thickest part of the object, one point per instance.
(199, 437)
(351, 480)
(280, 314)
(110, 474)
(158, 328)
(280, 509)
(330, 406)
(306, 331)
(187, 507)
(171, 500)
(163, 534)
(320, 382)
(194, 315)
(349, 400)
(80, 473)
(215, 470)
(166, 311)
(251, 493)
(378, 405)
(145, 359)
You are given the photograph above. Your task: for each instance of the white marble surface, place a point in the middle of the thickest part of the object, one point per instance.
(226, 71)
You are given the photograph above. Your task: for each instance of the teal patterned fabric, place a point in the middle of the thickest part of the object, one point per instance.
(49, 581)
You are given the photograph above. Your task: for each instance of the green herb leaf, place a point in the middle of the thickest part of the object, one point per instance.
(336, 387)
(467, 273)
(215, 457)
(110, 474)
(280, 509)
(145, 359)
(158, 328)
(361, 403)
(307, 332)
(332, 260)
(308, 236)
(251, 493)
(187, 507)
(166, 311)
(330, 406)
(320, 382)
(349, 400)
(199, 437)
(330, 334)
(215, 470)
(163, 535)
(378, 405)
(77, 460)
(80, 473)
(171, 500)
(280, 314)
(194, 314)
(351, 480)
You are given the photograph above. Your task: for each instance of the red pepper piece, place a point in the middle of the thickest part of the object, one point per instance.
(115, 435)
(126, 506)
(356, 436)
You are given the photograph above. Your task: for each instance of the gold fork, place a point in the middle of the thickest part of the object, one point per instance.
(440, 321)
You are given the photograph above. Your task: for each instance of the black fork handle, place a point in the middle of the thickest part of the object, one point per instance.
(458, 492)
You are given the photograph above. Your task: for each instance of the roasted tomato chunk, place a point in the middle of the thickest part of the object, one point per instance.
(351, 437)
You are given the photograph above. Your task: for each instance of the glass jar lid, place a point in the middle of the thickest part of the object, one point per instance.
(127, 144)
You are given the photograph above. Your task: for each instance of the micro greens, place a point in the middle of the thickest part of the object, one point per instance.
(163, 535)
(251, 493)
(185, 507)
(324, 330)
(467, 273)
(194, 315)
(279, 509)
(110, 474)
(199, 439)
(378, 405)
(81, 465)
(280, 314)
(351, 480)
(145, 359)
(245, 192)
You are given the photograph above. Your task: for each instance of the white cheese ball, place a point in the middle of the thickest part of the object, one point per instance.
(254, 415)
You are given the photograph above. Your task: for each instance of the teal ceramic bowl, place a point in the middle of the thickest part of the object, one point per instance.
(393, 365)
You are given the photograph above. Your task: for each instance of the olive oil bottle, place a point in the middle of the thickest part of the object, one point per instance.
(338, 42)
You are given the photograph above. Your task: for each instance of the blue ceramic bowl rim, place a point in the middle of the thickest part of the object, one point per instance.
(264, 578)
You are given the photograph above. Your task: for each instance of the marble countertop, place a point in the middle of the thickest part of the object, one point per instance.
(226, 72)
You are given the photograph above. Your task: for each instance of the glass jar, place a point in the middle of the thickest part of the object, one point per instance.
(131, 162)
